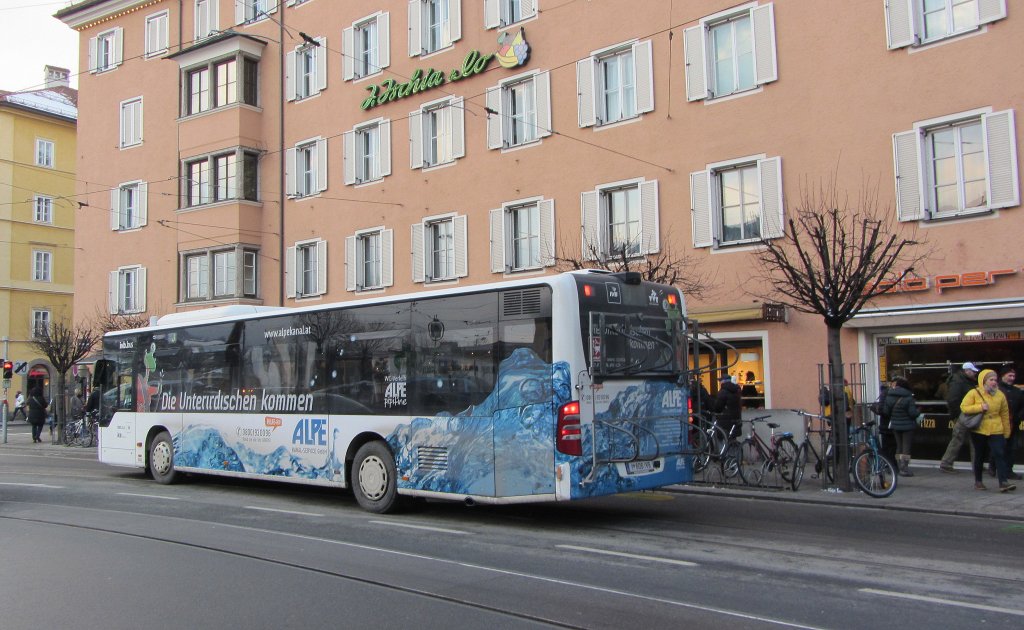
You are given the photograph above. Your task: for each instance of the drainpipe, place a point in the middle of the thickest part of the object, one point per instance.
(281, 156)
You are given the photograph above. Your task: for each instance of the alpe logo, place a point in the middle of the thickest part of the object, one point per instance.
(310, 432)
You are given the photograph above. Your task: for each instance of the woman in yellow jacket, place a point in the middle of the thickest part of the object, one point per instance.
(989, 436)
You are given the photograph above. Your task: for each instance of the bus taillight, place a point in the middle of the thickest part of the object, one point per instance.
(569, 438)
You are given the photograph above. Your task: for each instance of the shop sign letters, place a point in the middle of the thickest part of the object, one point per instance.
(944, 282)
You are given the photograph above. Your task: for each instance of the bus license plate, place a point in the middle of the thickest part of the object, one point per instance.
(640, 468)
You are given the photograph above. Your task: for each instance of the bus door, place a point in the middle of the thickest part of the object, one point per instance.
(115, 384)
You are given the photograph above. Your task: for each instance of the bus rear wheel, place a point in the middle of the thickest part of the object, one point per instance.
(161, 459)
(374, 478)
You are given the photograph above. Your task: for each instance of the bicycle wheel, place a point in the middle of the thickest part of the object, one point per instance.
(730, 460)
(69, 434)
(874, 474)
(752, 463)
(698, 446)
(799, 462)
(785, 457)
(718, 441)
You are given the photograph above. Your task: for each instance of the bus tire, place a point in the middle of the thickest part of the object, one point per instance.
(161, 459)
(374, 478)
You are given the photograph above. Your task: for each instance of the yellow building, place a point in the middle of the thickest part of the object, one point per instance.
(37, 221)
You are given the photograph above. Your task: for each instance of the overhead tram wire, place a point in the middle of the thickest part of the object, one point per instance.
(164, 223)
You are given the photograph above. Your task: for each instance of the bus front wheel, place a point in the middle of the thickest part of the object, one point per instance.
(161, 459)
(374, 477)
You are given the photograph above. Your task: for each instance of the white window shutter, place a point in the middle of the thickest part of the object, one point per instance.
(272, 6)
(321, 63)
(387, 257)
(115, 209)
(290, 169)
(348, 54)
(492, 100)
(542, 93)
(415, 45)
(907, 159)
(348, 141)
(528, 8)
(113, 299)
(321, 267)
(696, 70)
(457, 111)
(213, 13)
(701, 208)
(991, 10)
(591, 215)
(417, 252)
(289, 272)
(765, 65)
(92, 55)
(384, 154)
(1001, 150)
(497, 240)
(650, 230)
(351, 264)
(118, 46)
(546, 208)
(492, 15)
(643, 60)
(416, 139)
(585, 92)
(143, 202)
(140, 290)
(773, 223)
(454, 21)
(137, 122)
(289, 75)
(461, 247)
(899, 23)
(321, 164)
(240, 11)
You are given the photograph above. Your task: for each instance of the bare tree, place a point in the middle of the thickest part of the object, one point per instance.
(109, 322)
(831, 261)
(65, 345)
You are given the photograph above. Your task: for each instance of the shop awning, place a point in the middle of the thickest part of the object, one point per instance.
(738, 313)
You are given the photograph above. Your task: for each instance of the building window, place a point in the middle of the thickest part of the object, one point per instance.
(730, 52)
(368, 152)
(306, 70)
(40, 323)
(433, 25)
(367, 46)
(306, 168)
(439, 249)
(437, 133)
(127, 292)
(218, 274)
(501, 13)
(620, 220)
(225, 272)
(217, 84)
(920, 22)
(615, 84)
(105, 50)
(206, 19)
(736, 202)
(249, 277)
(128, 206)
(965, 163)
(519, 111)
(522, 235)
(306, 269)
(44, 153)
(42, 209)
(369, 259)
(42, 266)
(131, 122)
(217, 177)
(197, 280)
(247, 11)
(156, 34)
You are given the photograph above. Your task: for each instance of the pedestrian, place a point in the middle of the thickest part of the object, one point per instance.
(77, 405)
(728, 404)
(989, 437)
(19, 405)
(901, 409)
(959, 384)
(1015, 398)
(37, 413)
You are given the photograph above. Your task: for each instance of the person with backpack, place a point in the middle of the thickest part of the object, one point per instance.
(960, 383)
(901, 410)
(37, 413)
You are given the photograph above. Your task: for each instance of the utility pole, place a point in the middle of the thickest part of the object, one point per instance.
(7, 386)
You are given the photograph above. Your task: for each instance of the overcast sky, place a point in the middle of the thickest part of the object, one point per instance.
(30, 38)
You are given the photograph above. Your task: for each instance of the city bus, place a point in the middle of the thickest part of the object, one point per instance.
(552, 388)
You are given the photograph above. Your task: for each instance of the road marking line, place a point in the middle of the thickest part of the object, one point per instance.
(266, 509)
(947, 602)
(148, 496)
(424, 527)
(684, 563)
(31, 485)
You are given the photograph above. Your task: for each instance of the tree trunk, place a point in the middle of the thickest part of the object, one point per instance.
(837, 387)
(59, 406)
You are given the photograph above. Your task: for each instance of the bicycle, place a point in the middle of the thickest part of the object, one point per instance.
(872, 472)
(824, 462)
(714, 444)
(758, 458)
(81, 431)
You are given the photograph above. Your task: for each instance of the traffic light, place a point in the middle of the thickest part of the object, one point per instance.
(8, 370)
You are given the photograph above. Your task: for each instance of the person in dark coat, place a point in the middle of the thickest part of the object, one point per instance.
(958, 385)
(729, 404)
(901, 409)
(37, 413)
(1015, 397)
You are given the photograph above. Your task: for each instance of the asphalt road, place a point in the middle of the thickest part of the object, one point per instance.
(89, 546)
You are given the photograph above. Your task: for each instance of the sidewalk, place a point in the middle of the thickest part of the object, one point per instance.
(930, 490)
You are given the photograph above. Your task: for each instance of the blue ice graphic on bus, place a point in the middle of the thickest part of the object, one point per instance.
(503, 446)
